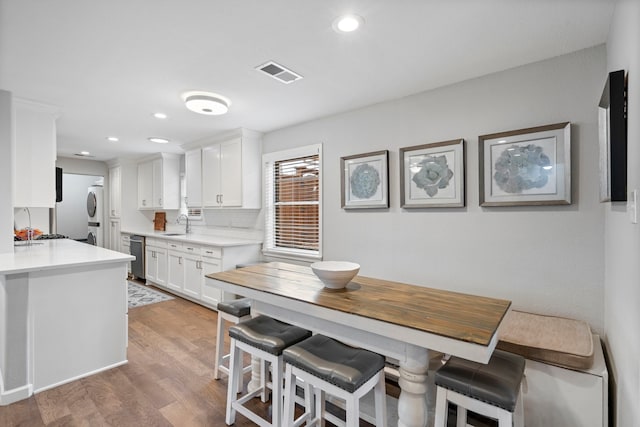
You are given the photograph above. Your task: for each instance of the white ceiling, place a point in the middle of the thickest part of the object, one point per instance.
(110, 64)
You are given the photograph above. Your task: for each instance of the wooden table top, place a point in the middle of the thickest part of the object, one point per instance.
(469, 318)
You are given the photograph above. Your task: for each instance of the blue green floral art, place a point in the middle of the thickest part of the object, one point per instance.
(365, 181)
(434, 175)
(521, 168)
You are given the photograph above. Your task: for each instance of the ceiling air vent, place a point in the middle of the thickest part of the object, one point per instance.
(278, 72)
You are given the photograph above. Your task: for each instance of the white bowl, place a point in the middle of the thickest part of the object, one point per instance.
(335, 274)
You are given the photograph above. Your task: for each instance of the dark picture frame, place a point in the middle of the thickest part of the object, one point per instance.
(529, 166)
(612, 127)
(433, 175)
(364, 180)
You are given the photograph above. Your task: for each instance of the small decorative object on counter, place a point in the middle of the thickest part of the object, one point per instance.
(335, 274)
(160, 221)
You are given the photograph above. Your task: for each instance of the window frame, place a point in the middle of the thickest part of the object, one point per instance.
(268, 160)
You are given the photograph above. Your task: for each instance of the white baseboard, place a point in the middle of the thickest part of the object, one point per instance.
(8, 397)
(68, 380)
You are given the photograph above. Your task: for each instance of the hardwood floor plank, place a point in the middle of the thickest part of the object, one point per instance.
(167, 382)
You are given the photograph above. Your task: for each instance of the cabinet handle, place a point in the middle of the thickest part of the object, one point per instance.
(159, 202)
(221, 201)
(186, 200)
(179, 260)
(189, 249)
(144, 203)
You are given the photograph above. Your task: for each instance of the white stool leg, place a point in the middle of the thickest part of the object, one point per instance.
(518, 420)
(441, 408)
(232, 388)
(505, 419)
(353, 411)
(276, 392)
(289, 397)
(380, 394)
(219, 347)
(320, 406)
(461, 419)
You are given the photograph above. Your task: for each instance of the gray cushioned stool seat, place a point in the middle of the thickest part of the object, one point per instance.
(238, 308)
(496, 383)
(268, 334)
(336, 363)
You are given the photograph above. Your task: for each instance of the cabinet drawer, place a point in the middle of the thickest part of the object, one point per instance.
(176, 246)
(212, 252)
(156, 243)
(191, 249)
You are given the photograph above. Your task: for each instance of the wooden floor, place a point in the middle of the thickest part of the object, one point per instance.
(167, 382)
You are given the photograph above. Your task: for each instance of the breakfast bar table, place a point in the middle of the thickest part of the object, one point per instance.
(394, 319)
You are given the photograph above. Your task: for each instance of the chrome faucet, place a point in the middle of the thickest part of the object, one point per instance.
(187, 227)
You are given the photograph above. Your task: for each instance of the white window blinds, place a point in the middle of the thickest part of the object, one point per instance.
(292, 202)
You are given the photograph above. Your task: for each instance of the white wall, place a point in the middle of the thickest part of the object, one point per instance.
(622, 238)
(544, 259)
(6, 172)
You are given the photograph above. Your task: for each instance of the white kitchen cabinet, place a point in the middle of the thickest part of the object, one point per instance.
(35, 154)
(156, 261)
(193, 176)
(125, 248)
(211, 295)
(115, 191)
(159, 182)
(175, 266)
(115, 238)
(193, 273)
(230, 171)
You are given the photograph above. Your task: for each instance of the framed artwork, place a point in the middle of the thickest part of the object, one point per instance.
(526, 167)
(432, 175)
(612, 127)
(365, 180)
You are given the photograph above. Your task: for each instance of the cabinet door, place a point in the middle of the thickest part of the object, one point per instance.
(161, 275)
(192, 276)
(114, 234)
(151, 264)
(114, 192)
(175, 273)
(193, 176)
(231, 171)
(210, 294)
(156, 183)
(145, 183)
(211, 176)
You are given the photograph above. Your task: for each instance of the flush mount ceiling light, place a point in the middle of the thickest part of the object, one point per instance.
(158, 140)
(347, 23)
(207, 103)
(160, 115)
(83, 154)
(113, 138)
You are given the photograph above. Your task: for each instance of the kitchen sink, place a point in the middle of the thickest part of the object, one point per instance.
(173, 234)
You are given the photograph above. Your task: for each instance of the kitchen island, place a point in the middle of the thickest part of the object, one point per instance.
(63, 306)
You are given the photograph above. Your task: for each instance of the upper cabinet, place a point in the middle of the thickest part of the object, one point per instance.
(115, 192)
(159, 182)
(193, 175)
(35, 154)
(229, 175)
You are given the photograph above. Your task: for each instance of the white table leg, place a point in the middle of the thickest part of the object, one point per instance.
(412, 403)
(254, 383)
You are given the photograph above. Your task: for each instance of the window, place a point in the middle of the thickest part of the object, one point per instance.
(292, 203)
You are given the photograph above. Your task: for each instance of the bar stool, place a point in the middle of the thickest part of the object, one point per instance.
(328, 366)
(265, 338)
(492, 390)
(235, 312)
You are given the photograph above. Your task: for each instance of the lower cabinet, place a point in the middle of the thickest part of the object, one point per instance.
(181, 267)
(156, 261)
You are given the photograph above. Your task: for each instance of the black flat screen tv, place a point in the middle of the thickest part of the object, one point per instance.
(612, 123)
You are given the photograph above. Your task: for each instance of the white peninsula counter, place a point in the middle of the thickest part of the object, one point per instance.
(63, 312)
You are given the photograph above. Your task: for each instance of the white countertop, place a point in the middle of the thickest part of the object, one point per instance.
(58, 253)
(202, 239)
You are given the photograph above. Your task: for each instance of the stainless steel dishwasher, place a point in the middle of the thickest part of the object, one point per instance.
(137, 250)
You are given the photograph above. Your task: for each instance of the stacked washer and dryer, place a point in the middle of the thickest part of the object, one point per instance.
(95, 210)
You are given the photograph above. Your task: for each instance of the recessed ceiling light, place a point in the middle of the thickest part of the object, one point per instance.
(347, 23)
(207, 103)
(113, 138)
(160, 115)
(85, 153)
(158, 140)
